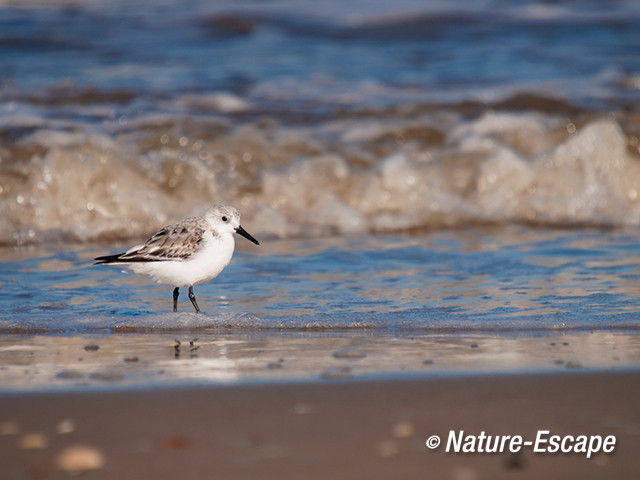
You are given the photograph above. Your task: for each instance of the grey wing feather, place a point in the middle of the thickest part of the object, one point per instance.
(175, 242)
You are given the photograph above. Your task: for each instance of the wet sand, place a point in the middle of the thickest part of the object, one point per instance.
(329, 429)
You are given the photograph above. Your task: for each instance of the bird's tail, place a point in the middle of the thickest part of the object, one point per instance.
(106, 259)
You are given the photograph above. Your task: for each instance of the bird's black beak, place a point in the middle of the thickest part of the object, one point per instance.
(245, 234)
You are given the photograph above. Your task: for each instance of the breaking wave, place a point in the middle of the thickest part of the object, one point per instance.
(378, 171)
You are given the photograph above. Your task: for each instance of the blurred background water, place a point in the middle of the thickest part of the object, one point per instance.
(327, 52)
(316, 119)
(411, 168)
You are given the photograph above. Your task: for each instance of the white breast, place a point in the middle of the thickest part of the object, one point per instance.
(205, 265)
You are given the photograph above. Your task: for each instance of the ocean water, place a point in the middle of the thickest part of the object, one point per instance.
(438, 187)
(316, 119)
(469, 301)
(504, 279)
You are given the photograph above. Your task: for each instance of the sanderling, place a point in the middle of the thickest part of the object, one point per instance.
(186, 253)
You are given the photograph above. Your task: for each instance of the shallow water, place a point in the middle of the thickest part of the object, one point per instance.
(473, 300)
(473, 279)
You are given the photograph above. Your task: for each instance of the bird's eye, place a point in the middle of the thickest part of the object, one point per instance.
(224, 219)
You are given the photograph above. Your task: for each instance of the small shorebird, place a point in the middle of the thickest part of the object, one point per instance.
(186, 253)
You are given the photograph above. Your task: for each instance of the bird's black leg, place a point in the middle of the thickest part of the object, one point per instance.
(192, 297)
(176, 292)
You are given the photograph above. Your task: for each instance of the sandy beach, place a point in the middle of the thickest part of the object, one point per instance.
(332, 429)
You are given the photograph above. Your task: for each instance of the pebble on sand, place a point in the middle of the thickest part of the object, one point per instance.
(80, 458)
(9, 428)
(349, 354)
(403, 429)
(388, 449)
(32, 441)
(65, 426)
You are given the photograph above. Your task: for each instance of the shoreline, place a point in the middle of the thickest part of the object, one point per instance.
(80, 363)
(353, 429)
